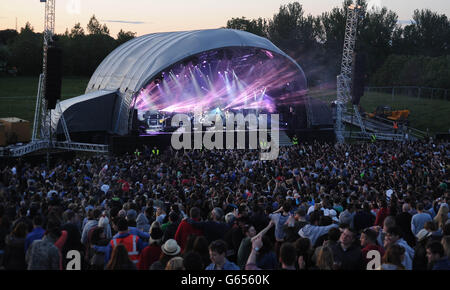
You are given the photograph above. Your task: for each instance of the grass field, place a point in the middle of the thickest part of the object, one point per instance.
(18, 98)
(433, 114)
(18, 94)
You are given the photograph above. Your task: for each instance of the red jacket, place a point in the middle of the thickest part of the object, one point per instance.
(149, 255)
(369, 248)
(381, 215)
(183, 231)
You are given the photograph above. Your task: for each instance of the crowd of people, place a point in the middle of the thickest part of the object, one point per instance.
(325, 206)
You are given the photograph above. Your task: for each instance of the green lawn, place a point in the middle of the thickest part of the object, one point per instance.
(18, 94)
(433, 114)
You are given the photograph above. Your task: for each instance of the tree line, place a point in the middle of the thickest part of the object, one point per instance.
(82, 51)
(316, 43)
(396, 54)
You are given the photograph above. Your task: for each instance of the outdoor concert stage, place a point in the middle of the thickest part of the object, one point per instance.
(140, 86)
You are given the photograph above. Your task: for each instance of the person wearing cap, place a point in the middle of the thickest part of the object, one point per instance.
(217, 253)
(132, 243)
(153, 251)
(170, 249)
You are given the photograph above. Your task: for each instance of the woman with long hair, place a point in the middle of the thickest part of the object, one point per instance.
(441, 217)
(175, 264)
(325, 259)
(120, 260)
(201, 246)
(14, 258)
(392, 259)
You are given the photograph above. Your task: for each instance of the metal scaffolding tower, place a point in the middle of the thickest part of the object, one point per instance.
(344, 80)
(42, 137)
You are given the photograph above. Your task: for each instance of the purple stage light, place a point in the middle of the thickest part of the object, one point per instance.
(254, 85)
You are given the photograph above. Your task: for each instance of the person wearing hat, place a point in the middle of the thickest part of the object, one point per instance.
(132, 243)
(153, 251)
(170, 249)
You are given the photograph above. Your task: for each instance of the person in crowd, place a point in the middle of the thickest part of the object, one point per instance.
(120, 259)
(43, 254)
(304, 253)
(288, 257)
(133, 244)
(363, 218)
(393, 257)
(442, 216)
(152, 252)
(398, 176)
(313, 231)
(169, 250)
(403, 220)
(185, 229)
(192, 261)
(246, 245)
(92, 222)
(346, 254)
(175, 264)
(419, 219)
(393, 237)
(36, 234)
(217, 253)
(14, 256)
(382, 213)
(325, 259)
(368, 240)
(293, 225)
(437, 260)
(213, 229)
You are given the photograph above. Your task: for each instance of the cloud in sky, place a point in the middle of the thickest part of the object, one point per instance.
(125, 21)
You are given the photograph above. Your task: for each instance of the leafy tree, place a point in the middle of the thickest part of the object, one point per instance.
(76, 31)
(7, 36)
(255, 26)
(26, 51)
(94, 27)
(123, 36)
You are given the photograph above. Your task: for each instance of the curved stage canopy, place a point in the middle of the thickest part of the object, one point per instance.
(133, 64)
(176, 71)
